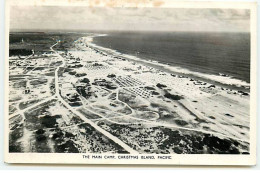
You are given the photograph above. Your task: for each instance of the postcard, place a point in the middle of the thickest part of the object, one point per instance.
(130, 82)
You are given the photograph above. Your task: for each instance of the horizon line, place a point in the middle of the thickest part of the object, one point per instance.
(102, 30)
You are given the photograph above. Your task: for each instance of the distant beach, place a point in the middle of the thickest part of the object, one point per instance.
(223, 58)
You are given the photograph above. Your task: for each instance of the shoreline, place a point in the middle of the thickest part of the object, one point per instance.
(175, 70)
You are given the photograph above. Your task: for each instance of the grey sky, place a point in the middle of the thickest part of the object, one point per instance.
(154, 19)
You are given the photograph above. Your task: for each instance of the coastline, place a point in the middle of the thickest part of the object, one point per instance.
(220, 80)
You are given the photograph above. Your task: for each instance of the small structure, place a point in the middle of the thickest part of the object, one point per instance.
(27, 90)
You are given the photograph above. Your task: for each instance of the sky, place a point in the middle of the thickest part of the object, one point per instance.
(127, 19)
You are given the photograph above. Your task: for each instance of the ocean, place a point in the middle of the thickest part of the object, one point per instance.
(206, 53)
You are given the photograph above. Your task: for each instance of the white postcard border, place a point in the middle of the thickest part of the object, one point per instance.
(178, 159)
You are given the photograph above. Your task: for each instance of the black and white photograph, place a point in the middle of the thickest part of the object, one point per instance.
(132, 83)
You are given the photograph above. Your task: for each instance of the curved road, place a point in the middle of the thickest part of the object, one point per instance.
(107, 134)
